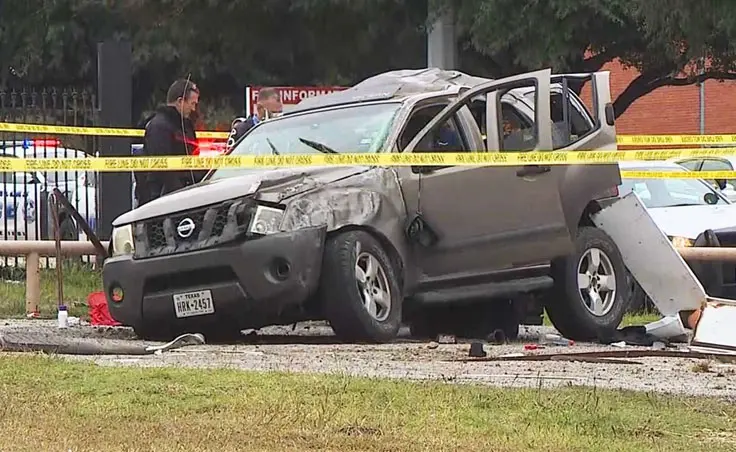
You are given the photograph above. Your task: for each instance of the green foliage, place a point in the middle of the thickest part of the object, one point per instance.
(226, 44)
(660, 38)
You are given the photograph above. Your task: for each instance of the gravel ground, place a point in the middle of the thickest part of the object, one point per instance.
(311, 348)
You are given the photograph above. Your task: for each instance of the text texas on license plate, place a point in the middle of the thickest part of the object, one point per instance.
(193, 303)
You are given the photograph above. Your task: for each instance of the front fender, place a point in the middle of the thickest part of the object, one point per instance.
(582, 184)
(371, 200)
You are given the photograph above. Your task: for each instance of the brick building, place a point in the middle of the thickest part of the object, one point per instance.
(675, 109)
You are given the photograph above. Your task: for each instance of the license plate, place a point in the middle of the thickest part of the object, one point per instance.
(193, 303)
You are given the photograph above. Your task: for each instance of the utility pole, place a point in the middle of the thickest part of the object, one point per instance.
(442, 41)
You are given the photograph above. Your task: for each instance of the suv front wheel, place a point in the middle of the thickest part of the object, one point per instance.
(589, 298)
(359, 289)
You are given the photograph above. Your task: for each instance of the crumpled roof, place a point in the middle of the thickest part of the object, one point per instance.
(393, 84)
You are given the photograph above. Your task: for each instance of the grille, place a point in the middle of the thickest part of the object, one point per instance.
(193, 230)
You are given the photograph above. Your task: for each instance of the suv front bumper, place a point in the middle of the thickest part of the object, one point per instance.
(248, 280)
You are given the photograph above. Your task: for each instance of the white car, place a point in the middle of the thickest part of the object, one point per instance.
(683, 209)
(715, 163)
(25, 193)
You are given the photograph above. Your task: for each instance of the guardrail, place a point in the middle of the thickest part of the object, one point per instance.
(33, 250)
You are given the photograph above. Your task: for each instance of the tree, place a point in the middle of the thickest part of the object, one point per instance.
(662, 39)
(223, 44)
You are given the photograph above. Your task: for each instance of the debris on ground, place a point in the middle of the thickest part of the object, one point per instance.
(24, 341)
(446, 339)
(555, 340)
(715, 330)
(639, 353)
(636, 335)
(650, 254)
(668, 328)
(477, 351)
(99, 314)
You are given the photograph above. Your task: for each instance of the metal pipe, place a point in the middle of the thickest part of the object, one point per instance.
(708, 254)
(57, 243)
(33, 283)
(47, 248)
(702, 98)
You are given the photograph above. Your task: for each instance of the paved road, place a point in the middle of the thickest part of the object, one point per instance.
(311, 348)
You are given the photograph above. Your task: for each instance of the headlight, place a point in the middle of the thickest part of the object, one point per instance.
(122, 240)
(681, 242)
(266, 220)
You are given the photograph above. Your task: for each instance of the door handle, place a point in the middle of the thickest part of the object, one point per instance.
(530, 170)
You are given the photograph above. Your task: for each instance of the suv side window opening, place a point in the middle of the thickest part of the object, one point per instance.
(580, 122)
(448, 137)
(579, 126)
(419, 118)
(517, 131)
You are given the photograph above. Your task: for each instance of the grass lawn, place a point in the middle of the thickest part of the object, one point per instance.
(78, 282)
(50, 404)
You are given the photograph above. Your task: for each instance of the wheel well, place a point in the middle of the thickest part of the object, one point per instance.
(393, 254)
(591, 209)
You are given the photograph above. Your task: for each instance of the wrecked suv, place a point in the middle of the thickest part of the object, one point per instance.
(368, 248)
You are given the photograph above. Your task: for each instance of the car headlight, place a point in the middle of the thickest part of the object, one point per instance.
(122, 240)
(681, 242)
(266, 220)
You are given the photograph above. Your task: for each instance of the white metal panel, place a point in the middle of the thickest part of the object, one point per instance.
(652, 260)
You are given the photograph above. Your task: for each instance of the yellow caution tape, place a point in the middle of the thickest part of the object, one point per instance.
(394, 159)
(622, 140)
(674, 140)
(708, 175)
(94, 131)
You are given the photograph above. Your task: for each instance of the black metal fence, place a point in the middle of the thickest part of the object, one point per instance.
(24, 207)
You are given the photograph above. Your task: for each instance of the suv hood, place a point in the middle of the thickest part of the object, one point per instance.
(274, 184)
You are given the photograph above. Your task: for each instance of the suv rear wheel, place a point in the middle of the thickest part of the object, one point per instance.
(589, 298)
(359, 289)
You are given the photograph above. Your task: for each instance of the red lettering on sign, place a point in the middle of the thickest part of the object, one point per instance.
(292, 95)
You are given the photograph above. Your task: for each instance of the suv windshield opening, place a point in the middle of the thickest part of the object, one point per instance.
(358, 129)
(657, 193)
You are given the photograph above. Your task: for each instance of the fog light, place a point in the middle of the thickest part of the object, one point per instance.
(117, 294)
(280, 269)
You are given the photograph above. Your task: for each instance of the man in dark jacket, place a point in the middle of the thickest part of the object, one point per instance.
(268, 105)
(170, 132)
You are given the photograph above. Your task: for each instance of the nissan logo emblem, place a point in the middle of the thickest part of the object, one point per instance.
(185, 228)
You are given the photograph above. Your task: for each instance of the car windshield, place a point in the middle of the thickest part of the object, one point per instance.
(669, 192)
(354, 129)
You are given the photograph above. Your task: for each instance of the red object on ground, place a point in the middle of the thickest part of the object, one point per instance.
(99, 315)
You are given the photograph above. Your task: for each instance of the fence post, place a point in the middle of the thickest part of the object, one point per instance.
(33, 283)
(115, 89)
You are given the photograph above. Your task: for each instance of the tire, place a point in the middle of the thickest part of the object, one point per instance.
(566, 306)
(342, 289)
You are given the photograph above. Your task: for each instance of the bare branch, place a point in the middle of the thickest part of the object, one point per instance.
(646, 83)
